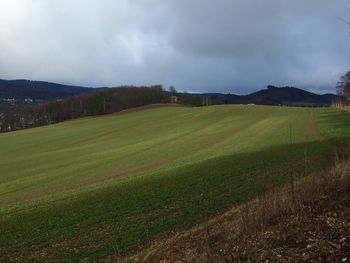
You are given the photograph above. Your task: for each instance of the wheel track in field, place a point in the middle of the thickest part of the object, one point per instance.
(312, 128)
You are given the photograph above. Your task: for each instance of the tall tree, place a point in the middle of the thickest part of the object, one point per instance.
(172, 90)
(343, 86)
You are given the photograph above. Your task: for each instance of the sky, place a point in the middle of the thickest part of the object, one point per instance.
(235, 46)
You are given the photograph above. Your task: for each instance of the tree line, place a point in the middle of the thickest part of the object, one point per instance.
(99, 102)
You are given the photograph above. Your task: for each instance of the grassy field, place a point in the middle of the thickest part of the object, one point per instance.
(96, 188)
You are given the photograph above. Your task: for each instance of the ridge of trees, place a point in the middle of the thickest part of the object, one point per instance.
(98, 102)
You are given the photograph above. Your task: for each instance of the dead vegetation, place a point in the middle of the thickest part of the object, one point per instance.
(307, 221)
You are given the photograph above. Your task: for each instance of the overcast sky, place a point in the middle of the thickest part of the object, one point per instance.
(233, 46)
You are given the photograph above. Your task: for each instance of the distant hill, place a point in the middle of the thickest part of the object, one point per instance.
(275, 96)
(288, 96)
(22, 89)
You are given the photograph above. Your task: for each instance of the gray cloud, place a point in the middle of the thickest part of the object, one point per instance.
(196, 45)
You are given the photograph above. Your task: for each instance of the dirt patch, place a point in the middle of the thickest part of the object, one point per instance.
(320, 233)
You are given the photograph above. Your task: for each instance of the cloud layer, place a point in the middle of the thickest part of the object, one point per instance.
(197, 45)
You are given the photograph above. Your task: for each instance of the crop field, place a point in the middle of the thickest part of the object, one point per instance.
(99, 188)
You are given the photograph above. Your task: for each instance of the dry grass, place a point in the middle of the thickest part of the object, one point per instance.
(273, 226)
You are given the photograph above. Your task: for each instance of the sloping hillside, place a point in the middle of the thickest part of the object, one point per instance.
(101, 187)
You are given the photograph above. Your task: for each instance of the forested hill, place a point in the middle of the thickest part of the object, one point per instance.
(276, 96)
(22, 89)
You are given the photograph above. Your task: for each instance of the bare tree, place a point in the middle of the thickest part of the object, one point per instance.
(172, 90)
(343, 86)
(343, 90)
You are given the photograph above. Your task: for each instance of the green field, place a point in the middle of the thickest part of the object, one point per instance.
(96, 188)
